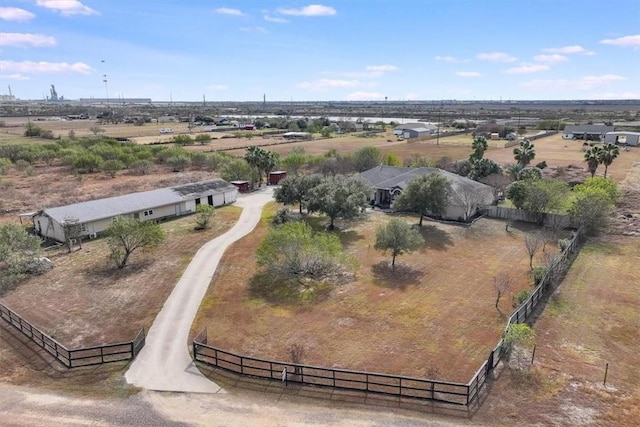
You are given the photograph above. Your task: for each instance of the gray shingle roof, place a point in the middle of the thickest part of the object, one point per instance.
(121, 205)
(388, 177)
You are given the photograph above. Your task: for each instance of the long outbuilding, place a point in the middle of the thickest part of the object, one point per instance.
(622, 138)
(95, 216)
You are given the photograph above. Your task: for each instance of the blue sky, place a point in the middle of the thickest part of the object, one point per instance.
(238, 50)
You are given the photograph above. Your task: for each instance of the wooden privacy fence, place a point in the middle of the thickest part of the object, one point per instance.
(74, 358)
(558, 221)
(385, 384)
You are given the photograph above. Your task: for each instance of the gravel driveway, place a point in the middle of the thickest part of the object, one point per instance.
(164, 364)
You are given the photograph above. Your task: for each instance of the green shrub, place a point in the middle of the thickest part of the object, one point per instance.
(520, 297)
(140, 167)
(537, 274)
(178, 163)
(284, 216)
(21, 165)
(5, 165)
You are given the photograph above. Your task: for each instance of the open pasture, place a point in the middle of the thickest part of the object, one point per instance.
(433, 317)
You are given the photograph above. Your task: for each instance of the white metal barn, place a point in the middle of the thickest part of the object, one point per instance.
(623, 138)
(95, 216)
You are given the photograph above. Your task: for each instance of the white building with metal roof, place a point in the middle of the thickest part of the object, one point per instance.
(95, 216)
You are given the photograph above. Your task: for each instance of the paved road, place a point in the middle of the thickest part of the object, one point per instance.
(164, 364)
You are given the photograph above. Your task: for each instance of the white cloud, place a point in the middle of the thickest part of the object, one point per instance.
(67, 7)
(369, 71)
(450, 59)
(229, 11)
(255, 30)
(217, 87)
(616, 95)
(381, 68)
(527, 69)
(311, 10)
(411, 97)
(468, 74)
(276, 19)
(584, 83)
(554, 58)
(26, 39)
(626, 41)
(45, 67)
(496, 57)
(327, 83)
(365, 96)
(14, 77)
(15, 14)
(568, 50)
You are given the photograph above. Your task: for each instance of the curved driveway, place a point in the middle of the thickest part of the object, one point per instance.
(164, 364)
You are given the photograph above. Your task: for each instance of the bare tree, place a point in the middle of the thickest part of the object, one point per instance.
(469, 198)
(296, 354)
(502, 284)
(532, 242)
(72, 232)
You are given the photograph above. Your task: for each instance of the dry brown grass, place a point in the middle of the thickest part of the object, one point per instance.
(431, 314)
(593, 319)
(85, 301)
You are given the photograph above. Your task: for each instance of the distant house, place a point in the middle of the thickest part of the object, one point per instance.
(297, 136)
(467, 195)
(622, 138)
(417, 133)
(401, 129)
(95, 216)
(586, 132)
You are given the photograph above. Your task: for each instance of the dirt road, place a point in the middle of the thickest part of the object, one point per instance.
(24, 407)
(164, 364)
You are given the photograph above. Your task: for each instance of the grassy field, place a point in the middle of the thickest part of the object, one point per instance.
(593, 319)
(85, 300)
(429, 317)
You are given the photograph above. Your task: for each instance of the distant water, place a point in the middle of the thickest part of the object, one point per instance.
(387, 120)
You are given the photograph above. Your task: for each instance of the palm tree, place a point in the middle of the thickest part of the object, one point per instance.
(592, 157)
(479, 146)
(607, 154)
(525, 153)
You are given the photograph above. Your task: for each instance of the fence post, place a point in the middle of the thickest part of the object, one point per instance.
(533, 354)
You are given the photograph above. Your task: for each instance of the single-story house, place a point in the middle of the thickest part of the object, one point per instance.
(297, 135)
(401, 129)
(95, 216)
(623, 138)
(417, 133)
(467, 195)
(586, 132)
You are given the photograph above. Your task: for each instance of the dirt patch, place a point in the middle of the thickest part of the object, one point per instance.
(428, 316)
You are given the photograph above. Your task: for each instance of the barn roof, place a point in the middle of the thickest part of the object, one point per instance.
(389, 177)
(135, 202)
(588, 129)
(415, 126)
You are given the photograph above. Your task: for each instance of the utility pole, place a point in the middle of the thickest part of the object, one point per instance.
(106, 89)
